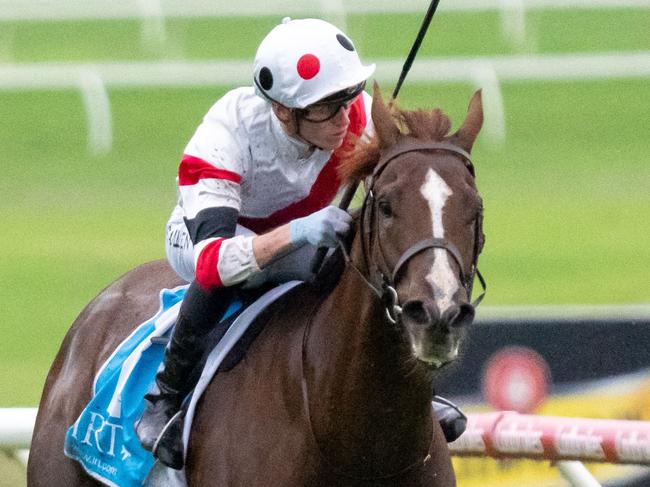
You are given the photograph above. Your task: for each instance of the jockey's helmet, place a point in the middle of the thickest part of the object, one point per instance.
(304, 61)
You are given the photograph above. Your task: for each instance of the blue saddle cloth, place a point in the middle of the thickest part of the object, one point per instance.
(103, 439)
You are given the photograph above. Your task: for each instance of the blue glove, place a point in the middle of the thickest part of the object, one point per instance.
(321, 228)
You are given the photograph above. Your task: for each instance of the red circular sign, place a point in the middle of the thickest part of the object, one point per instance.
(515, 379)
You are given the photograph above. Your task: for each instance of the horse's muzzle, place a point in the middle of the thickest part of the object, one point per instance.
(417, 313)
(459, 316)
(435, 338)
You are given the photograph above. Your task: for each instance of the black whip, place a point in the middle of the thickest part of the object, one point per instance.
(416, 45)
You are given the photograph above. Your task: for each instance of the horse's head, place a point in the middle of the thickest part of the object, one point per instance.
(422, 224)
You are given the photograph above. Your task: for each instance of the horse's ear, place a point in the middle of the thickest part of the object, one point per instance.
(468, 132)
(387, 130)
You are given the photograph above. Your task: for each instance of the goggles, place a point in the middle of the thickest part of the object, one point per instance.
(322, 112)
(327, 108)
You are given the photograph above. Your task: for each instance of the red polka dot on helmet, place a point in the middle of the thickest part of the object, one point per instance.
(308, 66)
(303, 61)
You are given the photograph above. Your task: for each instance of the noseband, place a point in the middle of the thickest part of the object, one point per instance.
(386, 289)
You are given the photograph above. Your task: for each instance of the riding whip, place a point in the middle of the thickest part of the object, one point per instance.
(346, 199)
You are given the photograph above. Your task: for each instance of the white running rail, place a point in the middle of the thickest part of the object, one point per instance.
(153, 13)
(93, 79)
(18, 10)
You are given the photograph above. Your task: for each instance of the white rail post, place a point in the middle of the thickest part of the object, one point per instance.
(22, 455)
(513, 22)
(153, 34)
(98, 112)
(577, 474)
(484, 76)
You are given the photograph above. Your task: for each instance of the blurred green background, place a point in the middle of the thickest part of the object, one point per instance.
(566, 196)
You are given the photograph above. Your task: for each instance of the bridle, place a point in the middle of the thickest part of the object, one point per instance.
(384, 282)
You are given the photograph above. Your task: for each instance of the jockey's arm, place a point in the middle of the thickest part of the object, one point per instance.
(270, 245)
(225, 259)
(320, 229)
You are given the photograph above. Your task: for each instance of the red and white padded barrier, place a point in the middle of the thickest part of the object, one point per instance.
(512, 435)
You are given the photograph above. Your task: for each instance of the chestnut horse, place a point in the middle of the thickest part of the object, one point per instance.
(337, 388)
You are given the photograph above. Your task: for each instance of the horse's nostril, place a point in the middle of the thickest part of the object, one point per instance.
(416, 312)
(464, 316)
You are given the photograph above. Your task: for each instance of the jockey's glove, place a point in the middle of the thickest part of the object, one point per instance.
(321, 228)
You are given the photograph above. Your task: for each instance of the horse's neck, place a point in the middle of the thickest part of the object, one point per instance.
(368, 399)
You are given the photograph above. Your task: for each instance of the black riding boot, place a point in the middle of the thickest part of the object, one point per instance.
(452, 420)
(200, 311)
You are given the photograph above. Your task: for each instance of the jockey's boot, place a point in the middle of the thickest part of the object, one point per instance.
(158, 427)
(452, 420)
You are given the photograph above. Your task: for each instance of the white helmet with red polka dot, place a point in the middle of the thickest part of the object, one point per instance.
(303, 61)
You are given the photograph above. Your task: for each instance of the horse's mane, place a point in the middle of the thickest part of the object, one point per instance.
(421, 124)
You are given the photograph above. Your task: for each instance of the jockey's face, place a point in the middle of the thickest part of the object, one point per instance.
(327, 134)
(324, 128)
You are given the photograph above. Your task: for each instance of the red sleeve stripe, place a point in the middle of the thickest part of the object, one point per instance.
(207, 273)
(193, 169)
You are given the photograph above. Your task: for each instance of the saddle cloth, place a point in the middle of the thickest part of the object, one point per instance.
(103, 439)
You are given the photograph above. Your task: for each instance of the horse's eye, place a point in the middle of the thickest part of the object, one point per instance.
(385, 209)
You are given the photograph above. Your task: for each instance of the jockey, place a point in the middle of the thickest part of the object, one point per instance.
(255, 185)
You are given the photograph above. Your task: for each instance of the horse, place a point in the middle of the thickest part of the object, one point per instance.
(336, 389)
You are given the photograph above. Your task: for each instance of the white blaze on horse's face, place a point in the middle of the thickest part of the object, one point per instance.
(442, 277)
